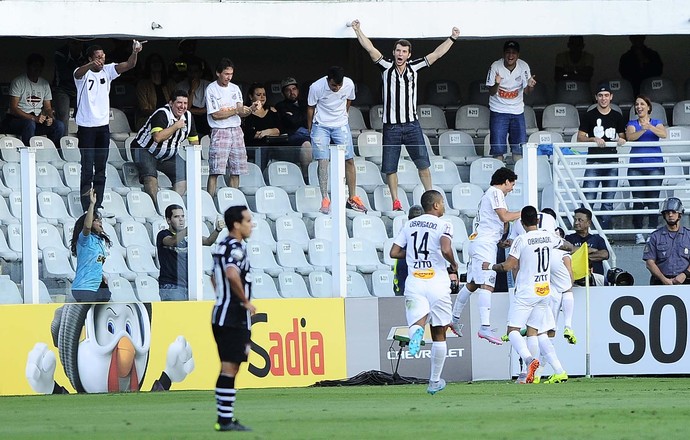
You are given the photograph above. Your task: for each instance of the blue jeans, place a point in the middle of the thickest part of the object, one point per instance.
(26, 128)
(322, 137)
(173, 292)
(408, 134)
(94, 143)
(589, 182)
(502, 125)
(653, 207)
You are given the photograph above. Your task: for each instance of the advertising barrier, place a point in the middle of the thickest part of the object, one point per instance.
(112, 347)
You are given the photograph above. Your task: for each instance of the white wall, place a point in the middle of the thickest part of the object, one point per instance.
(415, 19)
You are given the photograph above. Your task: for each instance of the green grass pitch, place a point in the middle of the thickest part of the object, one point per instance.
(608, 408)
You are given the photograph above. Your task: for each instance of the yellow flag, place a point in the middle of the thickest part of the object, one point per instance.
(580, 262)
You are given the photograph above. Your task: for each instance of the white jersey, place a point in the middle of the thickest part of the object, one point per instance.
(508, 98)
(533, 249)
(546, 223)
(421, 238)
(560, 277)
(93, 96)
(331, 107)
(218, 97)
(487, 225)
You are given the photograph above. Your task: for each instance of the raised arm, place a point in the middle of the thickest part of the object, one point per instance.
(132, 60)
(365, 42)
(444, 47)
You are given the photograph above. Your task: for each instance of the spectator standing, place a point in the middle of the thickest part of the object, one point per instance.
(195, 86)
(224, 107)
(509, 78)
(400, 121)
(327, 121)
(231, 316)
(293, 120)
(645, 129)
(574, 64)
(667, 254)
(66, 59)
(600, 125)
(30, 112)
(426, 244)
(596, 246)
(158, 141)
(90, 245)
(93, 116)
(154, 90)
(171, 245)
(639, 63)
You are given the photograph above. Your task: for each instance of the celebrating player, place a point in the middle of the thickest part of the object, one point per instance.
(489, 229)
(426, 244)
(531, 251)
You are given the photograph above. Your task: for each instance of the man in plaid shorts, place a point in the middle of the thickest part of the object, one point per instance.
(224, 107)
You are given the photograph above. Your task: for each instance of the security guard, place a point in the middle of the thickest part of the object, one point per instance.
(667, 254)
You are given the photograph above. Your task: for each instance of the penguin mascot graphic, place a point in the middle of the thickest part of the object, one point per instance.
(104, 348)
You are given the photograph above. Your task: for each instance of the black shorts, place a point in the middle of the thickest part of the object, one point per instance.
(149, 166)
(233, 343)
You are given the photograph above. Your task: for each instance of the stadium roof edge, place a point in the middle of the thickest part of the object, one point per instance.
(327, 19)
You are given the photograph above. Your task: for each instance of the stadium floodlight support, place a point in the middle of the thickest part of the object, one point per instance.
(338, 238)
(194, 216)
(528, 175)
(29, 225)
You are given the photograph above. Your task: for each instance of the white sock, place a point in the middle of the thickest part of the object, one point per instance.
(413, 328)
(519, 344)
(461, 301)
(484, 301)
(438, 358)
(533, 346)
(568, 304)
(549, 353)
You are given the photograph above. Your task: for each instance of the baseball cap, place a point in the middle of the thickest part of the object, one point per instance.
(603, 87)
(289, 81)
(511, 44)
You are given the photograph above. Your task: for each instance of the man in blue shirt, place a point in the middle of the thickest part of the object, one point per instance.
(667, 254)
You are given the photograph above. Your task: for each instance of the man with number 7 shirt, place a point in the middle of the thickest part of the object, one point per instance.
(426, 244)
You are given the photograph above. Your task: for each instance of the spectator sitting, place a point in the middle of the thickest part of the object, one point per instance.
(639, 63)
(597, 249)
(178, 68)
(157, 142)
(30, 112)
(574, 64)
(195, 86)
(154, 89)
(67, 58)
(645, 129)
(293, 118)
(171, 245)
(262, 125)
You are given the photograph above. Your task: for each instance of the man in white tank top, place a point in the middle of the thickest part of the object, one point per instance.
(489, 229)
(426, 244)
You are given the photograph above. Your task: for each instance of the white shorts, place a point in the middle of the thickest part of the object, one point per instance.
(535, 313)
(428, 297)
(481, 251)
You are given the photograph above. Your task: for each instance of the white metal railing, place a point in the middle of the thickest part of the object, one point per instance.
(568, 175)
